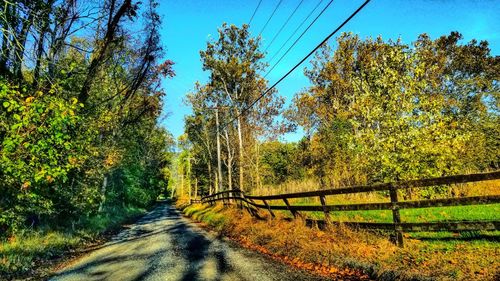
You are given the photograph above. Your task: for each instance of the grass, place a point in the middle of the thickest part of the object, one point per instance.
(490, 187)
(339, 250)
(22, 253)
(433, 214)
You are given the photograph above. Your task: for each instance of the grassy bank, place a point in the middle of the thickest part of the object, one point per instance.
(31, 252)
(444, 256)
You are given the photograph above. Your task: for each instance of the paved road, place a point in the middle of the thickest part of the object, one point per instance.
(165, 246)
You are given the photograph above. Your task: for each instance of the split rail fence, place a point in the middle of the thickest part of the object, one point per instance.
(254, 203)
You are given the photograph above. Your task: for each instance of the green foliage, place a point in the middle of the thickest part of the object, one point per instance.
(34, 128)
(53, 160)
(76, 140)
(384, 111)
(37, 150)
(280, 162)
(234, 61)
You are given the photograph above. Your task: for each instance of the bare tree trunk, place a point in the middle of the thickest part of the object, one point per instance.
(103, 193)
(182, 185)
(210, 190)
(216, 183)
(240, 152)
(20, 46)
(5, 52)
(195, 188)
(39, 53)
(5, 40)
(257, 165)
(229, 163)
(190, 191)
(104, 52)
(188, 174)
(219, 165)
(39, 49)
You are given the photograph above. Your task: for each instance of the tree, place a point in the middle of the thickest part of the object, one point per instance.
(280, 162)
(234, 62)
(77, 140)
(385, 111)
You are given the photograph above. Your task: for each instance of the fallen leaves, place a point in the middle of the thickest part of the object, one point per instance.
(334, 253)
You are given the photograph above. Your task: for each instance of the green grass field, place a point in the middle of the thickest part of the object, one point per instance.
(488, 212)
(433, 214)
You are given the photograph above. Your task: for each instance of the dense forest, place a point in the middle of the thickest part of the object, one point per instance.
(80, 104)
(376, 111)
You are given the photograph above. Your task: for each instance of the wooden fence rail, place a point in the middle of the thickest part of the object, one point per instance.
(398, 226)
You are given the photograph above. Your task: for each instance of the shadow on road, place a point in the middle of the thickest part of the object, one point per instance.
(160, 246)
(196, 249)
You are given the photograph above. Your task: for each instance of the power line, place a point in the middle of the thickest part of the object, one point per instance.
(295, 31)
(254, 12)
(269, 19)
(299, 63)
(297, 40)
(284, 24)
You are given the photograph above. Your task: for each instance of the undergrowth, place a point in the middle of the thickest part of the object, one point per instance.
(20, 254)
(470, 256)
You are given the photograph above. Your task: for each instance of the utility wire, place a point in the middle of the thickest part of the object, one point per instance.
(284, 24)
(269, 19)
(254, 12)
(299, 63)
(297, 40)
(295, 31)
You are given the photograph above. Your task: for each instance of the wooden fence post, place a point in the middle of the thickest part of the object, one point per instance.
(269, 208)
(247, 206)
(294, 213)
(255, 211)
(325, 210)
(237, 199)
(240, 198)
(396, 217)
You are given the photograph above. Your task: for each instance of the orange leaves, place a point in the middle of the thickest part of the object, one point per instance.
(112, 159)
(26, 185)
(12, 239)
(326, 252)
(287, 242)
(319, 234)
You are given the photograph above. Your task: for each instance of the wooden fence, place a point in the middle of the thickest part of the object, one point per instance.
(252, 204)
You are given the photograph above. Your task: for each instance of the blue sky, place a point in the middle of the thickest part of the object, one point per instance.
(189, 24)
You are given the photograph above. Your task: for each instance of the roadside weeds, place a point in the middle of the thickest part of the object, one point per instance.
(340, 252)
(37, 255)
